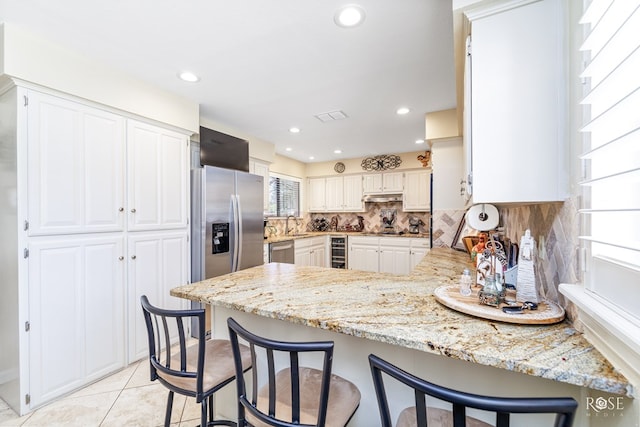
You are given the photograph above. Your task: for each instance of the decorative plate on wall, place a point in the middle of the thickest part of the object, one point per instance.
(381, 163)
(339, 167)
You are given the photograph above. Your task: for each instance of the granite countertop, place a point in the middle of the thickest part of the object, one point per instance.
(401, 310)
(282, 238)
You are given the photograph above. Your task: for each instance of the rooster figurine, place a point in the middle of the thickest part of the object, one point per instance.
(425, 159)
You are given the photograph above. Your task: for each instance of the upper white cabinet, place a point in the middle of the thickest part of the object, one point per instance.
(448, 174)
(336, 194)
(157, 177)
(75, 157)
(417, 191)
(261, 168)
(379, 183)
(517, 137)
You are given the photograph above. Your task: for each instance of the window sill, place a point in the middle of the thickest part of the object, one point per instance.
(614, 335)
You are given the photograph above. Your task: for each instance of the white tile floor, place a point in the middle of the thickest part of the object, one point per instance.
(124, 399)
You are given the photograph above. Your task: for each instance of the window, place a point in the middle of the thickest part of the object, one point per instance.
(610, 213)
(611, 191)
(284, 196)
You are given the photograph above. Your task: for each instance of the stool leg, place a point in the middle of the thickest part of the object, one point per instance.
(211, 408)
(203, 413)
(167, 417)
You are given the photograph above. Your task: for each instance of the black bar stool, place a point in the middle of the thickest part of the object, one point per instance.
(197, 370)
(294, 396)
(421, 415)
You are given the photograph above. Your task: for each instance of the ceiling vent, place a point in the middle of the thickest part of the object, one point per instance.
(331, 116)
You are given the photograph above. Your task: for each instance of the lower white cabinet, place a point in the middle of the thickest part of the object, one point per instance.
(419, 248)
(311, 251)
(157, 262)
(76, 328)
(394, 255)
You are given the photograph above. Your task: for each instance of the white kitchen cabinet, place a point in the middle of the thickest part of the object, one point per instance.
(380, 183)
(419, 248)
(448, 174)
(311, 251)
(75, 156)
(157, 168)
(317, 198)
(363, 253)
(517, 141)
(67, 309)
(417, 191)
(258, 167)
(157, 262)
(352, 193)
(77, 312)
(395, 255)
(336, 194)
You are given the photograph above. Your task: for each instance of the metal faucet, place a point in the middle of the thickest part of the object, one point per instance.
(286, 226)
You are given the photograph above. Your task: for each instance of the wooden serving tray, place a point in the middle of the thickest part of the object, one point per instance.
(547, 313)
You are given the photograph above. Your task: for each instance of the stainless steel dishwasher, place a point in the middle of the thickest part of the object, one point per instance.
(282, 252)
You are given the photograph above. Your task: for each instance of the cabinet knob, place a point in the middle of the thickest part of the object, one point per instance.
(120, 257)
(133, 210)
(133, 257)
(121, 210)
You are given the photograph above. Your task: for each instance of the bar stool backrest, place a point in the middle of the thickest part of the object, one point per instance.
(563, 407)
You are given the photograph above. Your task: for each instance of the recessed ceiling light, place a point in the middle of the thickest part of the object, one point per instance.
(311, 157)
(294, 130)
(402, 111)
(188, 77)
(288, 149)
(349, 16)
(337, 151)
(419, 141)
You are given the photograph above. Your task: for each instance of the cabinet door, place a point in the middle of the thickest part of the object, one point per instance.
(76, 312)
(302, 256)
(157, 167)
(392, 182)
(75, 167)
(157, 263)
(262, 169)
(353, 193)
(449, 182)
(318, 251)
(363, 253)
(395, 256)
(417, 191)
(518, 93)
(317, 195)
(334, 194)
(372, 183)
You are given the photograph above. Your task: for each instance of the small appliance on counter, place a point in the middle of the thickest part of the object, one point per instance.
(414, 225)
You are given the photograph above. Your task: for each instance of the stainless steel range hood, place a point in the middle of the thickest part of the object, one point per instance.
(382, 198)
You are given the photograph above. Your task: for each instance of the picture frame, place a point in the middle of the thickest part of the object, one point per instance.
(463, 231)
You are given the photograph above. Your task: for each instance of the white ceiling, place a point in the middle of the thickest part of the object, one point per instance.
(268, 65)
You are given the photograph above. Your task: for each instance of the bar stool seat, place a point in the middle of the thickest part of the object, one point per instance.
(344, 398)
(436, 417)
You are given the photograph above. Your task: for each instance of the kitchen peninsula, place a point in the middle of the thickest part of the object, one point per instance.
(398, 318)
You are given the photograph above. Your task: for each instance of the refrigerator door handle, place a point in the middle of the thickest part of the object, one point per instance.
(236, 233)
(240, 235)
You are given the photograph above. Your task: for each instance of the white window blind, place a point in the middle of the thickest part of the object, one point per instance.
(284, 196)
(611, 188)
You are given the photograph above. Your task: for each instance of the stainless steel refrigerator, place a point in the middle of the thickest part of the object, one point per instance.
(227, 223)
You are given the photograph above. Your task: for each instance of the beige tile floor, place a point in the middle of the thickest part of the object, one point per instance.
(124, 399)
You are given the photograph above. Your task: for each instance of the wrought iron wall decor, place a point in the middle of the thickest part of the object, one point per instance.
(381, 163)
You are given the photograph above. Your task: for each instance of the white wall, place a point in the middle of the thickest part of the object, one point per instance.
(31, 59)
